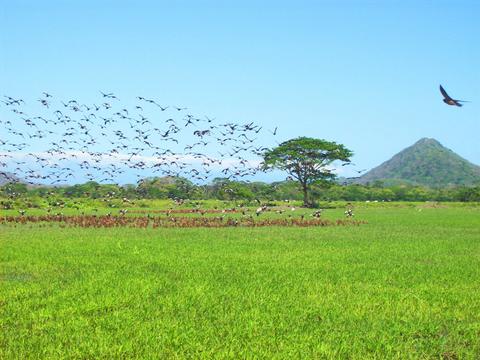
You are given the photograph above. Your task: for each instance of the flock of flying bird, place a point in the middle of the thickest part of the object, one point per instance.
(103, 140)
(61, 140)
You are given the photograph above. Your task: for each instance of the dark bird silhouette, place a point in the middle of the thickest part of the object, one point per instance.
(108, 95)
(448, 100)
(274, 132)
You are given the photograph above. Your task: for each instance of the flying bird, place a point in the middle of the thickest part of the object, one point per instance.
(274, 132)
(78, 129)
(448, 100)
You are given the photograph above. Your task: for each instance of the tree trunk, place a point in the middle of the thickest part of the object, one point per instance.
(305, 195)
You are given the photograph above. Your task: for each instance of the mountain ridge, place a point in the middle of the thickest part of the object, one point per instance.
(426, 162)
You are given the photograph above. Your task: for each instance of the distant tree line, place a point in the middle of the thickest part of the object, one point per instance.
(225, 189)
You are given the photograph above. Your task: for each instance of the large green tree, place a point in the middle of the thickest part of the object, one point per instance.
(306, 160)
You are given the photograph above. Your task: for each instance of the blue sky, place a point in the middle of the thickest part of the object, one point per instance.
(362, 73)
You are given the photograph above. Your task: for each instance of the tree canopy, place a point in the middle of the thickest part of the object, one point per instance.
(306, 160)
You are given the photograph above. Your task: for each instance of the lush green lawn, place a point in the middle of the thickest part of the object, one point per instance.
(406, 285)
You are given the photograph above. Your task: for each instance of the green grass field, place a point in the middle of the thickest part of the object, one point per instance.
(406, 285)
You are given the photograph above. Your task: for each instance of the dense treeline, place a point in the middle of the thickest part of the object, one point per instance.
(224, 189)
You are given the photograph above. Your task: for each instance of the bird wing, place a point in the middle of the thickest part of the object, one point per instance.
(444, 93)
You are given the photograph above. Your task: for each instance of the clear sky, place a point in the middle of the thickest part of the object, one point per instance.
(362, 73)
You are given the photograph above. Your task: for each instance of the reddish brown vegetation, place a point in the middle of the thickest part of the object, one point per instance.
(186, 211)
(107, 221)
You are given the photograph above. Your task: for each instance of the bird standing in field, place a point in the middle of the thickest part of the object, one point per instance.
(448, 100)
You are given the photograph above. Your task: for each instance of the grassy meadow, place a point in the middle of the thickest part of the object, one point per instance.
(406, 285)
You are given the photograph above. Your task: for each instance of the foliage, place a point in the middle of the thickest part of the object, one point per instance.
(306, 160)
(97, 195)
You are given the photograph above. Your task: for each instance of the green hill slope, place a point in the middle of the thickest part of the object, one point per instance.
(427, 162)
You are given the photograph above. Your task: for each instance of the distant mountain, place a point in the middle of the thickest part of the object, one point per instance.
(427, 162)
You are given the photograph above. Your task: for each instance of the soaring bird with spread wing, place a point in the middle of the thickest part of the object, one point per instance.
(448, 100)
